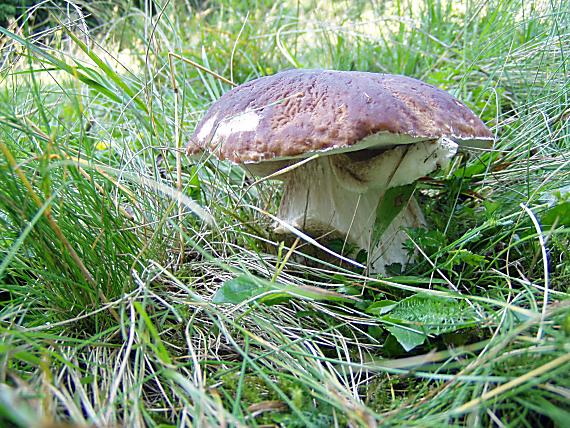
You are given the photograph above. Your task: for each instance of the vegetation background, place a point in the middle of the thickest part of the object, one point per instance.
(142, 288)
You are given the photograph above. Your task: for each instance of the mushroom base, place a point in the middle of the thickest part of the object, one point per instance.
(390, 248)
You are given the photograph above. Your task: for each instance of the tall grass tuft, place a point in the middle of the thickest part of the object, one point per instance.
(139, 287)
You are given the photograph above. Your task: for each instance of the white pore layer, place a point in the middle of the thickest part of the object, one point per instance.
(337, 196)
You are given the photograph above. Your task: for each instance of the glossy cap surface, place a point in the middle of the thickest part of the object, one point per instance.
(297, 113)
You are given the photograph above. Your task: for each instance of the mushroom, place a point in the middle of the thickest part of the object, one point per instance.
(339, 140)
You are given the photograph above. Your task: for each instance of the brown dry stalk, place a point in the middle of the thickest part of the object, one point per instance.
(201, 67)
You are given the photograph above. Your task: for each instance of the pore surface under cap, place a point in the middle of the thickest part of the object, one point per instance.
(298, 112)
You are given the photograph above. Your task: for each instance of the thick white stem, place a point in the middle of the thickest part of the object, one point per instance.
(316, 201)
(337, 196)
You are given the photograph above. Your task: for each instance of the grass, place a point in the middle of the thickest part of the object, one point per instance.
(142, 288)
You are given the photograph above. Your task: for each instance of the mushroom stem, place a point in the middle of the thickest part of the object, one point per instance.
(337, 197)
(317, 202)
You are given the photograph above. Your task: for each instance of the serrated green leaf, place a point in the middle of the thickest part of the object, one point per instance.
(424, 315)
(465, 256)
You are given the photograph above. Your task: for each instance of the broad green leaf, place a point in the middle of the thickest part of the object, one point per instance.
(381, 308)
(425, 315)
(409, 339)
(244, 287)
(13, 351)
(194, 183)
(86, 380)
(238, 290)
(557, 215)
(558, 212)
(475, 168)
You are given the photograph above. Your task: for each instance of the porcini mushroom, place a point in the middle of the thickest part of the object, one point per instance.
(364, 134)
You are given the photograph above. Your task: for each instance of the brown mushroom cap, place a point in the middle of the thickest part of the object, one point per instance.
(298, 112)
